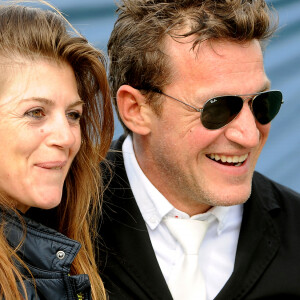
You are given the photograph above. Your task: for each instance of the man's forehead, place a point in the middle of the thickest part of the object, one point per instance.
(216, 48)
(218, 65)
(221, 53)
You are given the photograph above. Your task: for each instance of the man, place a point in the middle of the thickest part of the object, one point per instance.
(190, 154)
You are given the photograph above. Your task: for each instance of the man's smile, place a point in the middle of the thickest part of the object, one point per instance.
(235, 160)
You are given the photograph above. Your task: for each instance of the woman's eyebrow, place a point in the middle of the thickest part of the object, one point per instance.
(51, 102)
(77, 102)
(39, 99)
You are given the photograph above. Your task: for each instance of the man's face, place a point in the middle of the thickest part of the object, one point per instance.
(179, 150)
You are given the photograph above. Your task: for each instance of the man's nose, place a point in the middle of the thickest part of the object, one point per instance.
(243, 129)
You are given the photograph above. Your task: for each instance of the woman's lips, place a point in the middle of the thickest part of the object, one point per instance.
(52, 165)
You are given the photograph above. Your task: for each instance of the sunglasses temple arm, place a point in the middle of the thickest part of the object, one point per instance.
(193, 107)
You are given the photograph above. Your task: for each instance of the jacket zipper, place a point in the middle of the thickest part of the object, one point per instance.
(80, 296)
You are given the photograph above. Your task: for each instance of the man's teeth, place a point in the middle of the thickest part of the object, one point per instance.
(237, 160)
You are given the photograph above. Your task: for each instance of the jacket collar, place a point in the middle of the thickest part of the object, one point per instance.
(42, 247)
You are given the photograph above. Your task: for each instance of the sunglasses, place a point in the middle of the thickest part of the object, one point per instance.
(219, 111)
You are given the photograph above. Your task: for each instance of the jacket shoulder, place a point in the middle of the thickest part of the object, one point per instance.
(272, 193)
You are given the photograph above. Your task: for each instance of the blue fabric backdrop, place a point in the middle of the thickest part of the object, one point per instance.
(280, 159)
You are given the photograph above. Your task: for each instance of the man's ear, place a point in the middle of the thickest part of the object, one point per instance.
(133, 109)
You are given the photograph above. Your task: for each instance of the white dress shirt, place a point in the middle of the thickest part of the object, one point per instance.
(218, 248)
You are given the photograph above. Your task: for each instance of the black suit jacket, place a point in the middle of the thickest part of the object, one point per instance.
(267, 263)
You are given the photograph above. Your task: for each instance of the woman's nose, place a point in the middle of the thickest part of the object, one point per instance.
(62, 134)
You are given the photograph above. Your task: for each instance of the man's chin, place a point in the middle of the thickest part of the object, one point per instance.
(229, 198)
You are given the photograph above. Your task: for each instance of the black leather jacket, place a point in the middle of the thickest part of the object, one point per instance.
(49, 255)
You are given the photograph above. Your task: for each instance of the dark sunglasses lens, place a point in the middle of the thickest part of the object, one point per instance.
(266, 106)
(220, 111)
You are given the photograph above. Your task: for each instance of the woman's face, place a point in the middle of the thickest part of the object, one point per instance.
(40, 133)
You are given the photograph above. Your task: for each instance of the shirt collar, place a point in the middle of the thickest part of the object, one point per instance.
(153, 205)
(218, 213)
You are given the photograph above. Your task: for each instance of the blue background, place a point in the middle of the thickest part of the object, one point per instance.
(280, 159)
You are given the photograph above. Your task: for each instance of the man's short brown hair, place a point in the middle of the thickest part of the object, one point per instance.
(136, 44)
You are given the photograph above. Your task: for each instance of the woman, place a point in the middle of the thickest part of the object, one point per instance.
(56, 125)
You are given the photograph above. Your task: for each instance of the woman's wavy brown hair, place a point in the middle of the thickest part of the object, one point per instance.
(136, 45)
(35, 34)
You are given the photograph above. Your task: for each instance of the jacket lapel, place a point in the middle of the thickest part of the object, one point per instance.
(258, 244)
(127, 238)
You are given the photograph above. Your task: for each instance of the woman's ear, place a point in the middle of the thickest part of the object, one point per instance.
(133, 109)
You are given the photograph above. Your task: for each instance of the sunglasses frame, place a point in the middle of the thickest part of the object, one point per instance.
(248, 96)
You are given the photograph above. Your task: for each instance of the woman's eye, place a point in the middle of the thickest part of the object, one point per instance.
(37, 113)
(74, 115)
